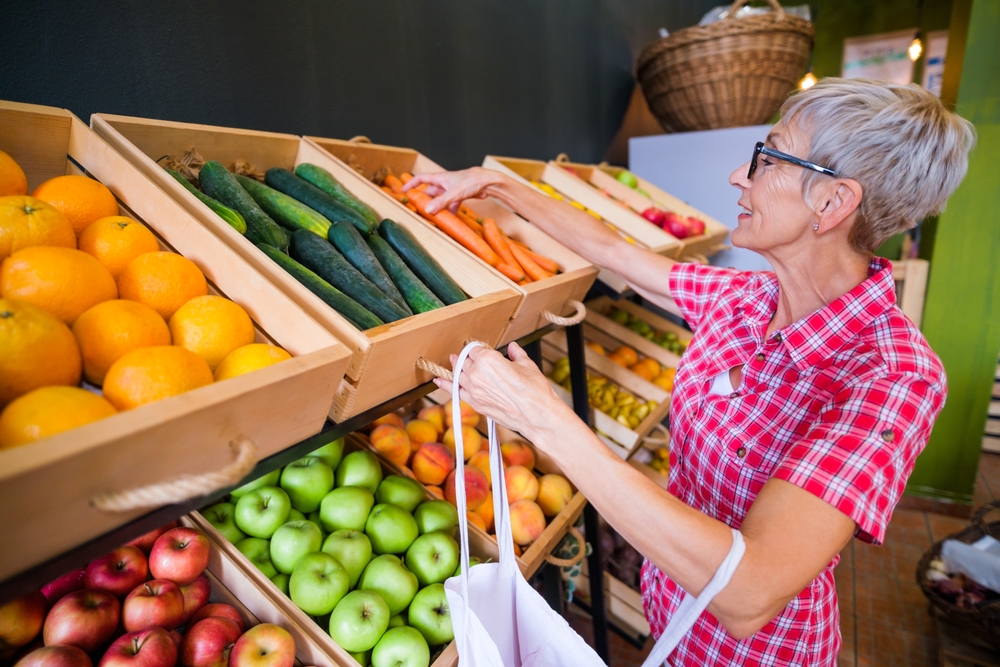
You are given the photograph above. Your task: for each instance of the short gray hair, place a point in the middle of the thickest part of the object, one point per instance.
(899, 142)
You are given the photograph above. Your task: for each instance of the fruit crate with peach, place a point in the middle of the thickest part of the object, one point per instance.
(420, 442)
(352, 552)
(629, 324)
(105, 280)
(544, 295)
(386, 359)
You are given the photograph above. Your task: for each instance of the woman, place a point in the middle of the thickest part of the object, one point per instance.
(805, 395)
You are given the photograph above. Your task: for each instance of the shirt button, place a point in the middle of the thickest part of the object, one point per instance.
(760, 356)
(777, 337)
(741, 452)
(888, 435)
(735, 394)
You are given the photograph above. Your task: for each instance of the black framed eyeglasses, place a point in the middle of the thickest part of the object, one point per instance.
(759, 148)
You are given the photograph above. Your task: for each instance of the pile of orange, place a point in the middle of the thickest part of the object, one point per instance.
(647, 368)
(87, 294)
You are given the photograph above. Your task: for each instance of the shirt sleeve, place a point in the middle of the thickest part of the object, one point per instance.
(695, 287)
(860, 452)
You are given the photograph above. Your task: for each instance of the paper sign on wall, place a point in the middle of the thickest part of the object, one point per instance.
(937, 45)
(881, 57)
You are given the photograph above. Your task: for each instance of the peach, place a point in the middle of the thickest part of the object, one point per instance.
(476, 520)
(476, 487)
(435, 415)
(432, 463)
(472, 441)
(436, 491)
(408, 472)
(485, 512)
(391, 418)
(517, 549)
(469, 416)
(392, 442)
(518, 453)
(554, 492)
(421, 431)
(521, 484)
(526, 521)
(481, 460)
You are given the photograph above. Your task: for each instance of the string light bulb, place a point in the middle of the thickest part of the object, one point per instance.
(808, 81)
(916, 48)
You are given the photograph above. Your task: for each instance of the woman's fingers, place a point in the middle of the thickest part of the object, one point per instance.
(449, 189)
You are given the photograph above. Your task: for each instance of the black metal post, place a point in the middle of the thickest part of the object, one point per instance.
(534, 350)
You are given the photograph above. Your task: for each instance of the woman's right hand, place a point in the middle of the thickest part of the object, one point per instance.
(451, 188)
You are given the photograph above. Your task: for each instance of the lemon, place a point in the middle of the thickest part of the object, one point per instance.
(249, 358)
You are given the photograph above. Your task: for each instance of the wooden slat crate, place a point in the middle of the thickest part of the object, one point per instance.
(55, 480)
(624, 605)
(547, 295)
(383, 362)
(911, 287)
(598, 316)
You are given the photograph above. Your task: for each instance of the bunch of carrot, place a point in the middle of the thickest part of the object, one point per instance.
(482, 236)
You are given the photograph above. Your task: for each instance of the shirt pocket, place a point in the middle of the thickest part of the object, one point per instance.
(744, 476)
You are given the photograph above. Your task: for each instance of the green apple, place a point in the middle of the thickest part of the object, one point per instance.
(221, 516)
(391, 529)
(360, 468)
(270, 479)
(403, 491)
(430, 615)
(353, 549)
(281, 581)
(628, 178)
(331, 453)
(433, 557)
(435, 515)
(359, 621)
(346, 508)
(397, 621)
(258, 552)
(295, 515)
(292, 541)
(318, 583)
(364, 658)
(401, 647)
(260, 512)
(472, 561)
(306, 481)
(386, 576)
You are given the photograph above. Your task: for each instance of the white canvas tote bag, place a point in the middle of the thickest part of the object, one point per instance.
(501, 621)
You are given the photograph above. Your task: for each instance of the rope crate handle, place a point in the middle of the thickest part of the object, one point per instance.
(663, 441)
(437, 370)
(578, 316)
(580, 555)
(360, 139)
(562, 158)
(183, 487)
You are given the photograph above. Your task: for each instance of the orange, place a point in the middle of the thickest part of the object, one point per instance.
(63, 281)
(627, 354)
(211, 327)
(116, 240)
(47, 411)
(110, 329)
(26, 221)
(153, 373)
(81, 199)
(642, 370)
(249, 358)
(618, 359)
(12, 178)
(37, 350)
(164, 281)
(652, 365)
(596, 347)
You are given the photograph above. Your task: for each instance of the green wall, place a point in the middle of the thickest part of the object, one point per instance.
(962, 313)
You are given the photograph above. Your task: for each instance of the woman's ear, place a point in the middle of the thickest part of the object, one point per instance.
(837, 203)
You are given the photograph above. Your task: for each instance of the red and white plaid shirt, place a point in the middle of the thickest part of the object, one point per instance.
(839, 403)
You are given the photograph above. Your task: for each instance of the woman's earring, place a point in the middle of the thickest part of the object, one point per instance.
(816, 227)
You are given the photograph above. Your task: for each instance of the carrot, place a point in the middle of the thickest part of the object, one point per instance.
(541, 260)
(472, 223)
(534, 271)
(452, 225)
(405, 177)
(492, 235)
(465, 210)
(394, 183)
(515, 274)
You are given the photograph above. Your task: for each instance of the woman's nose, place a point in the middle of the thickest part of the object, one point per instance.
(739, 177)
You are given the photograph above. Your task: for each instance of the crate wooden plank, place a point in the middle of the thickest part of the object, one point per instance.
(624, 605)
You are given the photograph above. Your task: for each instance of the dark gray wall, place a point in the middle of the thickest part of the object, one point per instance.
(454, 79)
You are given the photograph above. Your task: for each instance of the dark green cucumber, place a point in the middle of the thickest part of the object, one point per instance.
(220, 184)
(352, 246)
(325, 181)
(287, 211)
(318, 255)
(233, 218)
(422, 264)
(415, 292)
(307, 193)
(355, 313)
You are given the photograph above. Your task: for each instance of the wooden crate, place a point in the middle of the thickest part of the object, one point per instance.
(383, 362)
(598, 317)
(549, 295)
(910, 276)
(55, 480)
(624, 604)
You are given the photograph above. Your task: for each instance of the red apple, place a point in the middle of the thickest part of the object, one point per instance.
(158, 602)
(676, 225)
(208, 643)
(195, 596)
(654, 215)
(219, 610)
(118, 572)
(151, 647)
(87, 619)
(696, 226)
(55, 656)
(21, 620)
(264, 645)
(176, 638)
(145, 542)
(64, 585)
(180, 555)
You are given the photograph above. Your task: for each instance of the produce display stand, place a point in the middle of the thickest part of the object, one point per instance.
(52, 488)
(598, 318)
(385, 359)
(542, 299)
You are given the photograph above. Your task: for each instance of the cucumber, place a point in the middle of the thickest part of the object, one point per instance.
(307, 193)
(325, 181)
(352, 246)
(355, 313)
(422, 264)
(218, 183)
(318, 255)
(415, 292)
(286, 211)
(232, 217)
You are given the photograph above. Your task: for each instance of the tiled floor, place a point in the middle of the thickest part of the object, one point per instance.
(884, 619)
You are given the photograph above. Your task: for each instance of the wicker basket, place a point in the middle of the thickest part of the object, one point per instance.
(984, 621)
(730, 73)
